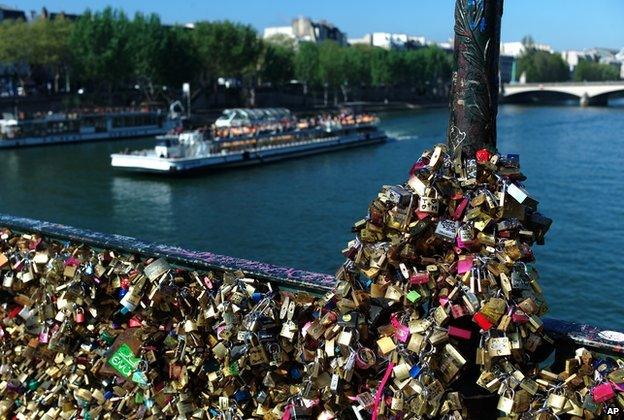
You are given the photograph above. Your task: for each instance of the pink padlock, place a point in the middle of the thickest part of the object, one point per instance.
(402, 332)
(134, 322)
(458, 311)
(465, 265)
(459, 211)
(460, 333)
(44, 335)
(79, 316)
(603, 392)
(466, 237)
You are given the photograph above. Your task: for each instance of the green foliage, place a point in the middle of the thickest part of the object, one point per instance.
(179, 61)
(146, 42)
(307, 63)
(160, 54)
(101, 47)
(590, 71)
(277, 64)
(331, 64)
(41, 42)
(226, 48)
(381, 67)
(15, 42)
(542, 66)
(357, 65)
(106, 49)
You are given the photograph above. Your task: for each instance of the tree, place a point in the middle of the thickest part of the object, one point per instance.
(161, 55)
(277, 64)
(331, 67)
(179, 61)
(101, 47)
(15, 43)
(307, 65)
(146, 36)
(50, 46)
(590, 71)
(381, 71)
(542, 66)
(41, 43)
(438, 68)
(227, 49)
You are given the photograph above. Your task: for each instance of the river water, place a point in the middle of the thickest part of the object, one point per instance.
(299, 213)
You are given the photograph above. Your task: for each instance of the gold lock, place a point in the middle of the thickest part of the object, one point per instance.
(386, 345)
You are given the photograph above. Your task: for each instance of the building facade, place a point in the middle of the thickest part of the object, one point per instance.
(303, 29)
(390, 41)
(8, 13)
(516, 48)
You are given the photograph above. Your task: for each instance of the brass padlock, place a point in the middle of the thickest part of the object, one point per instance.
(556, 402)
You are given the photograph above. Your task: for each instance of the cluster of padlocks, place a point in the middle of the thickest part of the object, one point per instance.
(437, 301)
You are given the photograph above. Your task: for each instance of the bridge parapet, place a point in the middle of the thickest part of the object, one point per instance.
(567, 335)
(588, 93)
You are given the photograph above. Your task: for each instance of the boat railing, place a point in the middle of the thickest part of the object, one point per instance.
(567, 335)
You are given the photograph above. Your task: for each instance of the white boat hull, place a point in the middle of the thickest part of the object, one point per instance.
(156, 164)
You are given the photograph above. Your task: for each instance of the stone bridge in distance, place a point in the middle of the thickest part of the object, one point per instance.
(587, 93)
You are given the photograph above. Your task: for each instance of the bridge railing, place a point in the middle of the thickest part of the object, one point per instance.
(601, 83)
(567, 335)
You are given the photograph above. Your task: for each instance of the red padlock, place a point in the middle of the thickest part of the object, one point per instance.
(482, 321)
(134, 322)
(483, 155)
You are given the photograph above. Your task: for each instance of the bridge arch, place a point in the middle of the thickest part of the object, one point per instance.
(540, 96)
(604, 97)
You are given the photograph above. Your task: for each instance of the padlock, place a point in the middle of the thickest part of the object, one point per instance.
(79, 316)
(506, 402)
(365, 358)
(603, 392)
(7, 281)
(499, 347)
(556, 401)
(447, 230)
(396, 403)
(429, 202)
(44, 335)
(466, 236)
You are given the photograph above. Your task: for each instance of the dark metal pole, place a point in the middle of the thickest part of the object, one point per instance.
(474, 92)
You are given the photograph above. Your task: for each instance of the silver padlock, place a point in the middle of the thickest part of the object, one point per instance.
(429, 202)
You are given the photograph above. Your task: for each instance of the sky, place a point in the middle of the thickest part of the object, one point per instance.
(564, 24)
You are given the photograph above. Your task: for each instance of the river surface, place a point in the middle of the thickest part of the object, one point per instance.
(299, 213)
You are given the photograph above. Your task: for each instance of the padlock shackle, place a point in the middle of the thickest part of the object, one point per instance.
(475, 81)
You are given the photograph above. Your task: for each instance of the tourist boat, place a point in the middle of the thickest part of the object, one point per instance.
(245, 136)
(59, 128)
